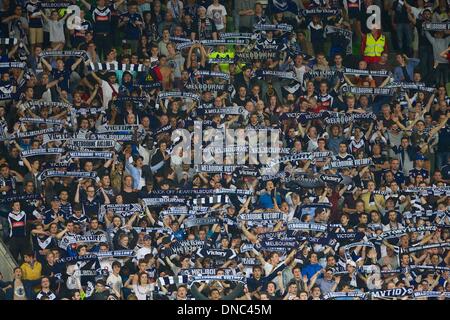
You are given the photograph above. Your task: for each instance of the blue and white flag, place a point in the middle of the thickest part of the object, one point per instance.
(277, 6)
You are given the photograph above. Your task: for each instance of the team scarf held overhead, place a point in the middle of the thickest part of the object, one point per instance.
(195, 222)
(37, 105)
(188, 211)
(115, 254)
(71, 239)
(391, 293)
(123, 210)
(262, 216)
(215, 168)
(436, 26)
(30, 134)
(220, 111)
(9, 96)
(116, 67)
(204, 271)
(273, 27)
(347, 34)
(236, 35)
(67, 174)
(416, 86)
(278, 74)
(434, 191)
(22, 197)
(42, 121)
(52, 137)
(302, 226)
(337, 164)
(372, 73)
(177, 94)
(351, 294)
(54, 5)
(424, 247)
(8, 41)
(90, 155)
(13, 65)
(322, 74)
(213, 43)
(249, 56)
(214, 87)
(232, 278)
(368, 90)
(41, 152)
(199, 192)
(86, 257)
(323, 12)
(186, 247)
(64, 53)
(92, 144)
(211, 74)
(161, 230)
(156, 202)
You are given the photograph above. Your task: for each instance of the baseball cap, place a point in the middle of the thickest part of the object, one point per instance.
(147, 237)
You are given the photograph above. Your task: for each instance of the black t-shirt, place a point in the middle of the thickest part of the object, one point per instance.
(130, 197)
(204, 28)
(102, 18)
(65, 74)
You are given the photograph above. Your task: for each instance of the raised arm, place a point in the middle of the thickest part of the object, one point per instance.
(86, 4)
(46, 64)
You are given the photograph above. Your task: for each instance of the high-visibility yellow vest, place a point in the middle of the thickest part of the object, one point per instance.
(374, 48)
(224, 67)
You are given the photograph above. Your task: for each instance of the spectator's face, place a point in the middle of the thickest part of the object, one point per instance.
(331, 261)
(316, 292)
(16, 206)
(18, 273)
(182, 293)
(201, 12)
(45, 284)
(303, 296)
(363, 219)
(360, 206)
(392, 216)
(293, 289)
(128, 181)
(395, 164)
(264, 297)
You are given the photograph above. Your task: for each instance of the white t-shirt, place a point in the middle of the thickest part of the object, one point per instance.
(108, 92)
(115, 282)
(56, 29)
(142, 252)
(141, 292)
(217, 14)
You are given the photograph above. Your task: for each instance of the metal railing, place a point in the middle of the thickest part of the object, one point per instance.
(7, 262)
